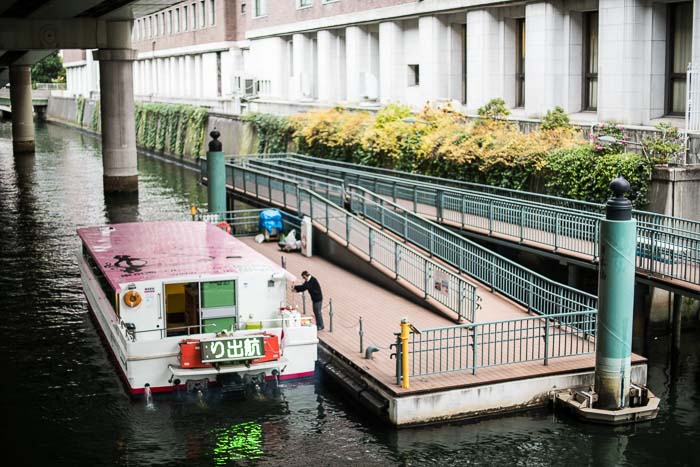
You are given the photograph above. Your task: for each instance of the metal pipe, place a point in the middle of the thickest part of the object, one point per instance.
(330, 313)
(362, 333)
(615, 300)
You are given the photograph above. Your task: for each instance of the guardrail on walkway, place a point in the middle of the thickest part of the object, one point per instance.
(404, 262)
(480, 345)
(666, 246)
(536, 292)
(246, 222)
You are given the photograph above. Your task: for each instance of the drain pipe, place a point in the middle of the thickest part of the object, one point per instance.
(618, 239)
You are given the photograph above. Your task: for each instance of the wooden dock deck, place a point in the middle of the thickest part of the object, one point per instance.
(382, 311)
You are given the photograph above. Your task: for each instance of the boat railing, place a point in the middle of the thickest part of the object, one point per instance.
(132, 333)
(244, 222)
(273, 323)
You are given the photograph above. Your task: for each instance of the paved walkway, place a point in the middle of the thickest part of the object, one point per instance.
(381, 311)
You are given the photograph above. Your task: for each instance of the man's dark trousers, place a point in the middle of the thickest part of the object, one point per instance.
(318, 313)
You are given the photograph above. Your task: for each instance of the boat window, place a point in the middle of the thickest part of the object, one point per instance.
(218, 294)
(101, 279)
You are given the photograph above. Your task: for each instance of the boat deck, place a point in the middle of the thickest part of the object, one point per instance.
(382, 310)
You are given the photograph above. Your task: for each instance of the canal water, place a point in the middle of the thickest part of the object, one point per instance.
(62, 403)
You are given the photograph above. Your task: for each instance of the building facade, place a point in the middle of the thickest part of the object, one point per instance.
(600, 60)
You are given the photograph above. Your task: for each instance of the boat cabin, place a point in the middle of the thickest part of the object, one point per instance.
(174, 279)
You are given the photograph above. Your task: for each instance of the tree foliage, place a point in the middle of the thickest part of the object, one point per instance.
(49, 70)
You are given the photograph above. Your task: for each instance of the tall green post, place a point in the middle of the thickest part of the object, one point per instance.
(618, 241)
(216, 175)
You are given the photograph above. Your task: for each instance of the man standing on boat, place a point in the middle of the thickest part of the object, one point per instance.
(314, 288)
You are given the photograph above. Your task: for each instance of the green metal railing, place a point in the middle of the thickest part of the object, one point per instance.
(245, 222)
(534, 291)
(666, 246)
(458, 294)
(481, 345)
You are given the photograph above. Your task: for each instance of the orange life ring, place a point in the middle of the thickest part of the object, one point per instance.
(132, 298)
(223, 225)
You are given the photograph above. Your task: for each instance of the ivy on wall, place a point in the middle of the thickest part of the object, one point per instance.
(274, 131)
(79, 110)
(95, 122)
(171, 127)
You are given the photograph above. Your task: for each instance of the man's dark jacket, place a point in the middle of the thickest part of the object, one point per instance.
(313, 287)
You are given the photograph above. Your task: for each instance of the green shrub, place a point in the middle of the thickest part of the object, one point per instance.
(273, 131)
(495, 109)
(665, 146)
(555, 118)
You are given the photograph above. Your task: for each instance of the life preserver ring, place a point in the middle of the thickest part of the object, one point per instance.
(132, 299)
(223, 225)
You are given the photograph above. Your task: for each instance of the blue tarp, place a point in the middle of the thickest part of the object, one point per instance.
(271, 220)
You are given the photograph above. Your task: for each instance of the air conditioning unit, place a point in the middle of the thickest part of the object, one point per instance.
(250, 87)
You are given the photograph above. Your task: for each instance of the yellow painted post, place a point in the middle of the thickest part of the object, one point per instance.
(405, 332)
(193, 211)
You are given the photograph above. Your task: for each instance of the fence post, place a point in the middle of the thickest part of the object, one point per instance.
(529, 293)
(475, 347)
(415, 199)
(298, 192)
(427, 278)
(362, 333)
(255, 177)
(284, 194)
(546, 342)
(490, 217)
(556, 230)
(393, 191)
(330, 313)
(438, 202)
(399, 359)
(462, 296)
(269, 188)
(371, 243)
(347, 229)
(464, 210)
(397, 259)
(522, 222)
(327, 225)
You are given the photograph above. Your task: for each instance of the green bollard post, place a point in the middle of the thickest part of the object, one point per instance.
(216, 175)
(618, 239)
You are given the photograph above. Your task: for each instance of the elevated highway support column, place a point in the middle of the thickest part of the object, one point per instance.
(22, 109)
(120, 171)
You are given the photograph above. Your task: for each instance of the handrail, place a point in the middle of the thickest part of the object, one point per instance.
(458, 295)
(480, 345)
(538, 293)
(666, 246)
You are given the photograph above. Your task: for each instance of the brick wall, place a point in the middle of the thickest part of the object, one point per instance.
(224, 28)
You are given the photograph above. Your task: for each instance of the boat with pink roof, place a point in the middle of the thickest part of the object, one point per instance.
(186, 305)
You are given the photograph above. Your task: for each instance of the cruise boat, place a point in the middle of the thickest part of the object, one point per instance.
(185, 305)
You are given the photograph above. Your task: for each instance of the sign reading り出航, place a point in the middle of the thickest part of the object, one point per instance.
(241, 348)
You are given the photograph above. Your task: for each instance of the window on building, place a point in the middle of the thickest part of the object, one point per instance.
(177, 20)
(260, 8)
(195, 18)
(678, 53)
(185, 19)
(303, 3)
(170, 22)
(290, 57)
(413, 75)
(520, 62)
(161, 24)
(212, 12)
(143, 29)
(243, 8)
(202, 15)
(590, 60)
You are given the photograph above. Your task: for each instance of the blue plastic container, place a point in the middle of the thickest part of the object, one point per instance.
(271, 221)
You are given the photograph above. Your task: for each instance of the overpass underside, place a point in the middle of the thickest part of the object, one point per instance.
(32, 29)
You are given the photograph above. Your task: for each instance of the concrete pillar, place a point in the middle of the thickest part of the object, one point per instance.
(623, 78)
(117, 110)
(392, 69)
(483, 71)
(327, 66)
(544, 57)
(434, 52)
(356, 44)
(22, 109)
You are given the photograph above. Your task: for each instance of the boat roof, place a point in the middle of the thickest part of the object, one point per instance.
(141, 251)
